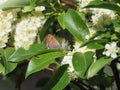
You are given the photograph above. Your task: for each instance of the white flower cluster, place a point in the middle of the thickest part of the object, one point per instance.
(39, 8)
(111, 50)
(6, 19)
(83, 3)
(92, 32)
(102, 18)
(26, 30)
(65, 45)
(68, 58)
(82, 49)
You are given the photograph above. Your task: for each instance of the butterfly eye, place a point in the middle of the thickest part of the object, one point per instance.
(51, 42)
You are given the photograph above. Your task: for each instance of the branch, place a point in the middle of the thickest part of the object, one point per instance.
(69, 3)
(82, 85)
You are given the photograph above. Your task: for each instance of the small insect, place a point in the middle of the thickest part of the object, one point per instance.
(52, 42)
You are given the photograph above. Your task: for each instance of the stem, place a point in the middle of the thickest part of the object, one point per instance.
(69, 3)
(79, 85)
(82, 85)
(116, 73)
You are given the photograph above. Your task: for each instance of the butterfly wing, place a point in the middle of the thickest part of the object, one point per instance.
(51, 42)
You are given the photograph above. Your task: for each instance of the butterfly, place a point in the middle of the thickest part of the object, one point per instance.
(51, 42)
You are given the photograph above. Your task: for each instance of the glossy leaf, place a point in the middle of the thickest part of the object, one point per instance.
(14, 4)
(102, 4)
(1, 52)
(97, 66)
(44, 60)
(59, 81)
(9, 66)
(61, 20)
(8, 52)
(89, 58)
(63, 82)
(81, 62)
(2, 69)
(46, 27)
(30, 7)
(95, 46)
(107, 70)
(75, 25)
(101, 79)
(21, 54)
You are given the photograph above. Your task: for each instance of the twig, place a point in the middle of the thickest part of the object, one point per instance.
(69, 3)
(49, 69)
(83, 85)
(79, 85)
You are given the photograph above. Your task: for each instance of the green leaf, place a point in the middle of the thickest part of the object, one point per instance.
(27, 9)
(95, 46)
(8, 52)
(97, 66)
(9, 66)
(21, 54)
(101, 4)
(1, 52)
(75, 25)
(59, 81)
(117, 25)
(14, 4)
(30, 7)
(44, 60)
(107, 70)
(63, 82)
(81, 62)
(46, 26)
(2, 69)
(89, 58)
(61, 20)
(101, 79)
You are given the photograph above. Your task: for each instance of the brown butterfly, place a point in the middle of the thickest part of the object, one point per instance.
(52, 42)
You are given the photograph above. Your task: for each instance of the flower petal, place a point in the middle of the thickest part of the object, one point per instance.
(107, 46)
(107, 53)
(113, 55)
(113, 44)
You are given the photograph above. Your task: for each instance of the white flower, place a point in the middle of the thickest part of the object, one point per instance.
(68, 60)
(65, 45)
(26, 30)
(3, 40)
(35, 22)
(111, 50)
(6, 19)
(92, 32)
(102, 18)
(83, 3)
(39, 8)
(84, 49)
